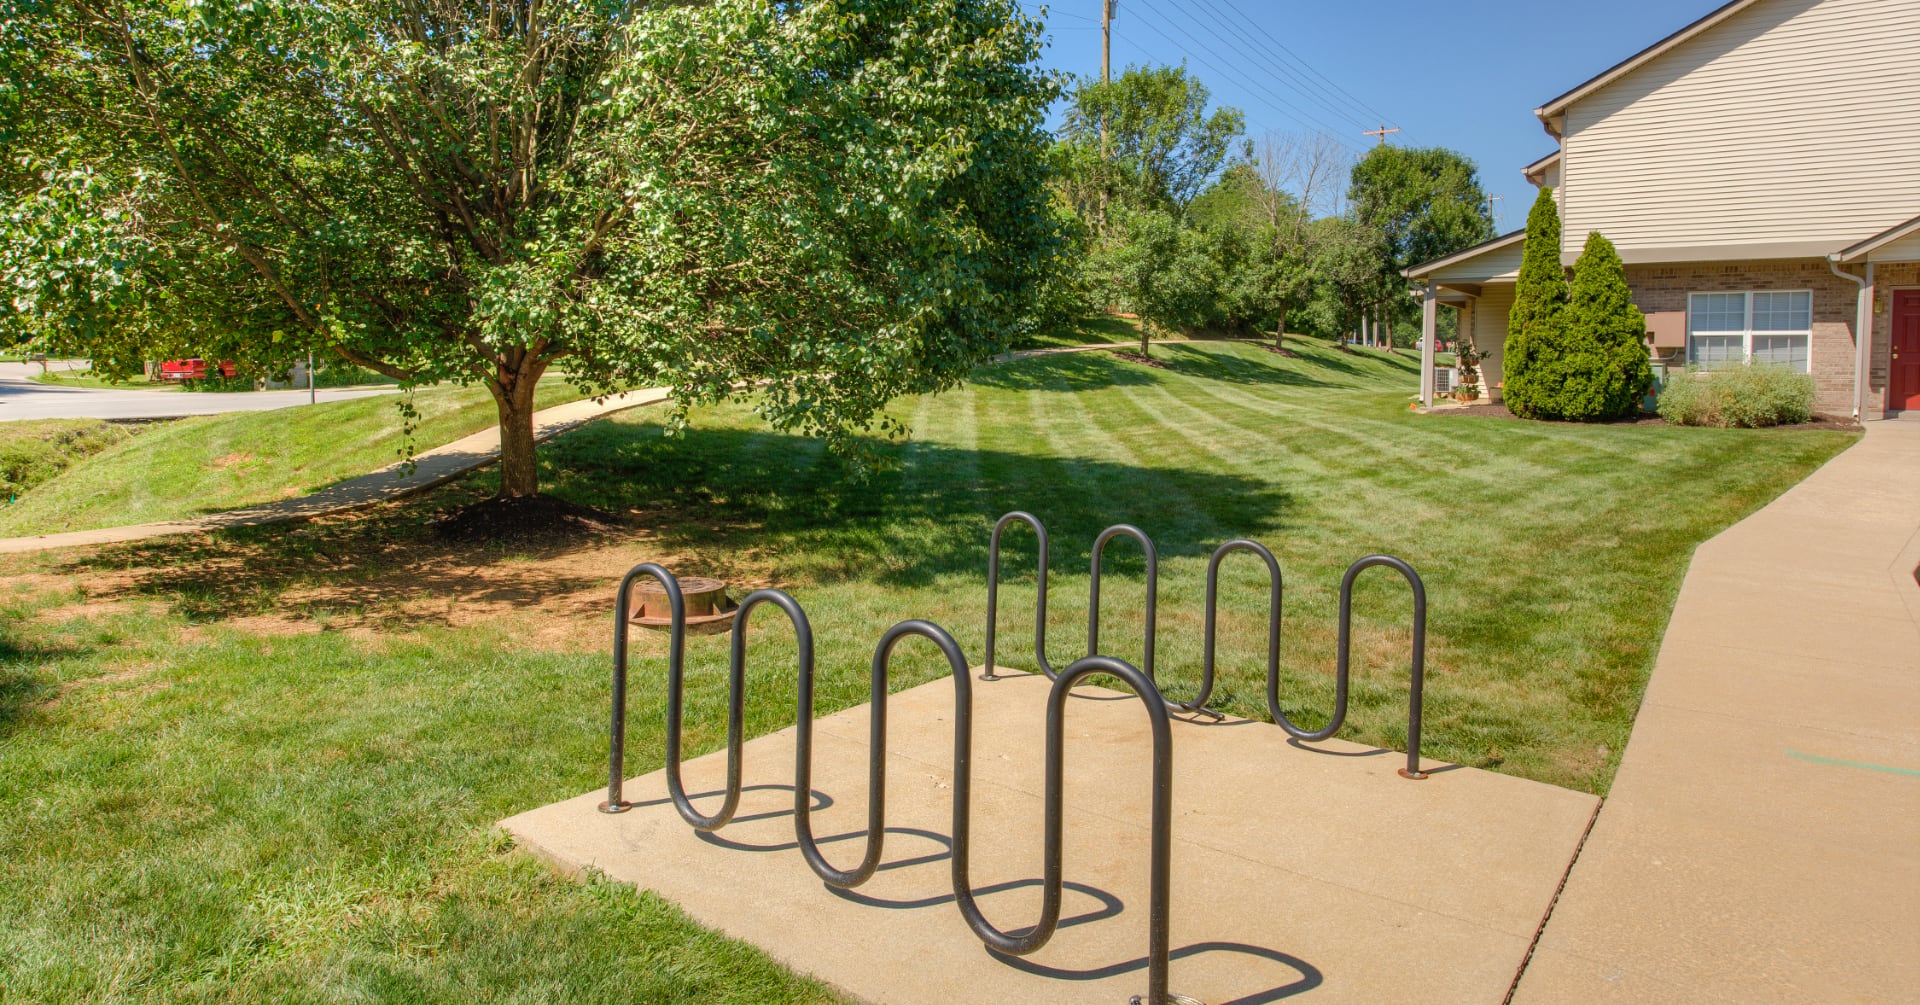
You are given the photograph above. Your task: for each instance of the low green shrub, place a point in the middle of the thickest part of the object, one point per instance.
(1738, 397)
(33, 451)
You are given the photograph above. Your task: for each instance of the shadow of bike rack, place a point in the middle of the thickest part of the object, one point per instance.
(1343, 667)
(996, 940)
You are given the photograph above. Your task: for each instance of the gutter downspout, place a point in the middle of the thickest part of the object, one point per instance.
(1862, 331)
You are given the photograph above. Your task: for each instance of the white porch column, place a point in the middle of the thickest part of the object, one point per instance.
(1429, 334)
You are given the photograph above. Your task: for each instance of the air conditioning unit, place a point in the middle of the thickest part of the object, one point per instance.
(1443, 381)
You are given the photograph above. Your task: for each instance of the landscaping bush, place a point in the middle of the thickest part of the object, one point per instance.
(1539, 295)
(1592, 363)
(1738, 397)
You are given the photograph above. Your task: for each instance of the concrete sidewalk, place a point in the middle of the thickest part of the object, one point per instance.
(1761, 842)
(434, 467)
(1297, 869)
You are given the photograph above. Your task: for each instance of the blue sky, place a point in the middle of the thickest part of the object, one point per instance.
(1465, 74)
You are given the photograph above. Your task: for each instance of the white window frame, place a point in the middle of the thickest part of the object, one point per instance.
(1746, 333)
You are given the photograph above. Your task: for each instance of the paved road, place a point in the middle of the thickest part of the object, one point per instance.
(21, 398)
(1762, 839)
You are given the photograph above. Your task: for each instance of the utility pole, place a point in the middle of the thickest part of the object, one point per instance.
(1493, 214)
(1381, 132)
(312, 395)
(1107, 9)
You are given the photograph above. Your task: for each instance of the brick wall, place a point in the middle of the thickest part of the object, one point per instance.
(1835, 300)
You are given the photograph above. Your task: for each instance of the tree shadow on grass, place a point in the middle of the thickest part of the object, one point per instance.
(747, 502)
(736, 491)
(1069, 371)
(22, 687)
(1266, 368)
(1088, 371)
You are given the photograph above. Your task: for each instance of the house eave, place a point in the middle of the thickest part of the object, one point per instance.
(1425, 269)
(1866, 248)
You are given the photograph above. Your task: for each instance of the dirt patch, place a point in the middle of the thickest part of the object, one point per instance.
(229, 460)
(1134, 357)
(524, 520)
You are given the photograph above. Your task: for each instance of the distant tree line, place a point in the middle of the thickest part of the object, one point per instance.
(1177, 217)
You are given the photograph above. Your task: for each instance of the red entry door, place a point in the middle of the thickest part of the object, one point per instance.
(1903, 377)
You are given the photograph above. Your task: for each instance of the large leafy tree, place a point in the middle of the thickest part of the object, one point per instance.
(1257, 232)
(1539, 298)
(1426, 202)
(1165, 144)
(833, 202)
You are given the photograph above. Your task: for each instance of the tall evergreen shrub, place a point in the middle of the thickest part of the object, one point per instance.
(1598, 367)
(1539, 296)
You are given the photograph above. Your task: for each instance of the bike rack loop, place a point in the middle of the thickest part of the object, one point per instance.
(676, 649)
(1159, 881)
(1342, 669)
(1040, 601)
(1274, 593)
(1153, 591)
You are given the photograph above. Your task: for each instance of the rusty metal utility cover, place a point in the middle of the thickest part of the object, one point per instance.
(708, 605)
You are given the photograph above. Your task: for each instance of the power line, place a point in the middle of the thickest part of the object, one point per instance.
(1290, 110)
(1309, 67)
(1282, 74)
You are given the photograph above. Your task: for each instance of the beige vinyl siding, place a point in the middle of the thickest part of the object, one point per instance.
(1907, 249)
(1498, 264)
(1490, 330)
(1793, 121)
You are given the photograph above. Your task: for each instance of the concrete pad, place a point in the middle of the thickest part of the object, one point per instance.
(1786, 783)
(1294, 868)
(1791, 626)
(1788, 692)
(1729, 913)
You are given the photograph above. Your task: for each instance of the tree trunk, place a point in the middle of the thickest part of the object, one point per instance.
(513, 397)
(1386, 324)
(1143, 338)
(1280, 329)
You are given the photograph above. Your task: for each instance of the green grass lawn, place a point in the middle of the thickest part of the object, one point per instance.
(34, 451)
(193, 807)
(204, 465)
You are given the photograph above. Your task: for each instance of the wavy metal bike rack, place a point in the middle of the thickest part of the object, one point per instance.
(1040, 597)
(996, 940)
(1342, 672)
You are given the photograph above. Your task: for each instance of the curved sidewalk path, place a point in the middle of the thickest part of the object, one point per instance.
(432, 468)
(1761, 842)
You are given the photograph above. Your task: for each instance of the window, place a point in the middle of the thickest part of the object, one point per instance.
(1731, 328)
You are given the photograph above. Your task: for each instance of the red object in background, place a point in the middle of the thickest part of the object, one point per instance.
(192, 369)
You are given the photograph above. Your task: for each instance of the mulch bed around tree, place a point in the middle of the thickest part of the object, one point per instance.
(1280, 350)
(532, 518)
(1134, 357)
(1499, 411)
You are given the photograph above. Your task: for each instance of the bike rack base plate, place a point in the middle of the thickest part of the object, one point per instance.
(1296, 868)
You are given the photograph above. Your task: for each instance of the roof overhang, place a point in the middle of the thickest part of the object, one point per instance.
(1866, 248)
(1425, 269)
(1766, 251)
(1553, 114)
(1537, 171)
